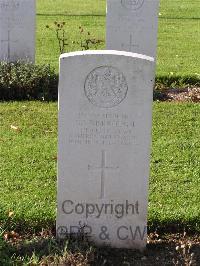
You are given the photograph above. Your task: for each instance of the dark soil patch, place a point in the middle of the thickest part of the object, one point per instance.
(178, 95)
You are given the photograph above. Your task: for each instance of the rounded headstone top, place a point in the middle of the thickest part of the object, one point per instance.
(107, 52)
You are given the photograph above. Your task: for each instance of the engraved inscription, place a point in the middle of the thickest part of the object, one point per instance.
(103, 168)
(9, 5)
(102, 129)
(106, 87)
(132, 4)
(12, 22)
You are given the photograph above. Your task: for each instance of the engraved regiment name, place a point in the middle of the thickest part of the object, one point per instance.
(102, 129)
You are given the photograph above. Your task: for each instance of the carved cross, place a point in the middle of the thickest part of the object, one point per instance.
(131, 44)
(103, 168)
(8, 41)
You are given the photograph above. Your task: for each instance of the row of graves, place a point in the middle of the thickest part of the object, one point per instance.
(105, 120)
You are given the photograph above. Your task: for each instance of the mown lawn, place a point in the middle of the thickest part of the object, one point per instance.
(28, 140)
(28, 137)
(178, 40)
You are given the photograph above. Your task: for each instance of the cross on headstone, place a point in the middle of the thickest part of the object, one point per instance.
(130, 45)
(8, 40)
(136, 17)
(103, 168)
(118, 170)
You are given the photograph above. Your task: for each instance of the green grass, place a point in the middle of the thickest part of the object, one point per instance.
(175, 166)
(178, 40)
(28, 165)
(28, 179)
(28, 162)
(28, 150)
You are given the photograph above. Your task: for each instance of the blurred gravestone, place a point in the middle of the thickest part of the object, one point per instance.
(17, 30)
(132, 26)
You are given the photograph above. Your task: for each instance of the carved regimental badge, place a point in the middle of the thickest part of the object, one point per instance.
(106, 87)
(132, 4)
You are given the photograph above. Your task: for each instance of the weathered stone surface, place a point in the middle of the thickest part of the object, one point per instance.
(132, 26)
(105, 114)
(17, 30)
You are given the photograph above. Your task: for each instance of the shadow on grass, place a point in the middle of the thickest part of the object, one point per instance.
(69, 15)
(35, 239)
(182, 18)
(104, 15)
(162, 251)
(43, 250)
(29, 227)
(190, 227)
(6, 252)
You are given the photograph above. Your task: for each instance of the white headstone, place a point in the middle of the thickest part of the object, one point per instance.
(105, 114)
(132, 26)
(17, 30)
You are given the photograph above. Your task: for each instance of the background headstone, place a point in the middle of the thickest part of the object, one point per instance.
(132, 26)
(17, 30)
(105, 118)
